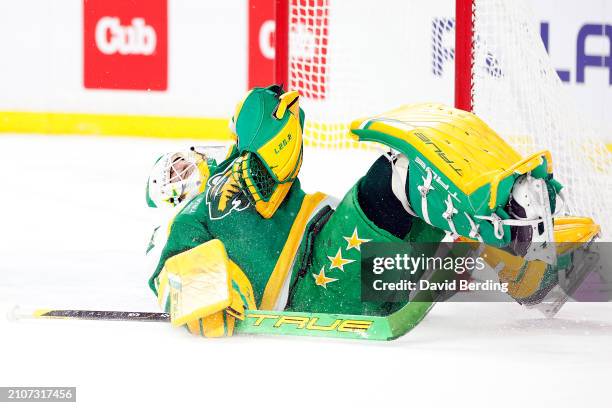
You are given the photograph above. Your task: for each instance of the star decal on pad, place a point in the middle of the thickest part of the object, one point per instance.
(338, 261)
(354, 241)
(321, 279)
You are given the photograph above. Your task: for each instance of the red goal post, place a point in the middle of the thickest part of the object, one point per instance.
(464, 33)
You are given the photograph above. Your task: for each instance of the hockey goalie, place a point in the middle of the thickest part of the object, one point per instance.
(246, 236)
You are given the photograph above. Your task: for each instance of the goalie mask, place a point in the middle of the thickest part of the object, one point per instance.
(268, 124)
(177, 177)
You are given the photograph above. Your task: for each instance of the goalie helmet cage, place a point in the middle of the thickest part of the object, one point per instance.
(353, 58)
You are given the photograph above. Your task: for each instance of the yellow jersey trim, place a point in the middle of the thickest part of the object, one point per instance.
(283, 265)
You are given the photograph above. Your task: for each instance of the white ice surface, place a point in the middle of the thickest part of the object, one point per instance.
(73, 228)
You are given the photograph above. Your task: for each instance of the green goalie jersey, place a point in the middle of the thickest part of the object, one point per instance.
(264, 248)
(304, 258)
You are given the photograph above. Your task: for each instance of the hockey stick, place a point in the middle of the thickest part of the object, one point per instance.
(265, 322)
(16, 314)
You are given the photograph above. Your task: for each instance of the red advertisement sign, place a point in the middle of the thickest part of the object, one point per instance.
(261, 42)
(125, 44)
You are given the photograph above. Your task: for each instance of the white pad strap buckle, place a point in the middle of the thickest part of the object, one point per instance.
(498, 224)
(424, 190)
(449, 213)
(474, 228)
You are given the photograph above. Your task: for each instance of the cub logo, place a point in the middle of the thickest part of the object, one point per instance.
(224, 195)
(125, 44)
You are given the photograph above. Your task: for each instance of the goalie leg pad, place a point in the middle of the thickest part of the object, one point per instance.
(461, 172)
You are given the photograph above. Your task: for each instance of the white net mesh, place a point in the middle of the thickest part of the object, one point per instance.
(518, 93)
(308, 67)
(350, 58)
(353, 58)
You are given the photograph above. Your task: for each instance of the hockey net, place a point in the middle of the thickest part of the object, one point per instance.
(353, 58)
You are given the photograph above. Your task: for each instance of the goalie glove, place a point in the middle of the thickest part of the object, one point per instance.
(205, 291)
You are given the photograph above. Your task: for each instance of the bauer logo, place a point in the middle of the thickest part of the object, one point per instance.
(125, 44)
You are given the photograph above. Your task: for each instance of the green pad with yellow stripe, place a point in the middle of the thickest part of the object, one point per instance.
(461, 171)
